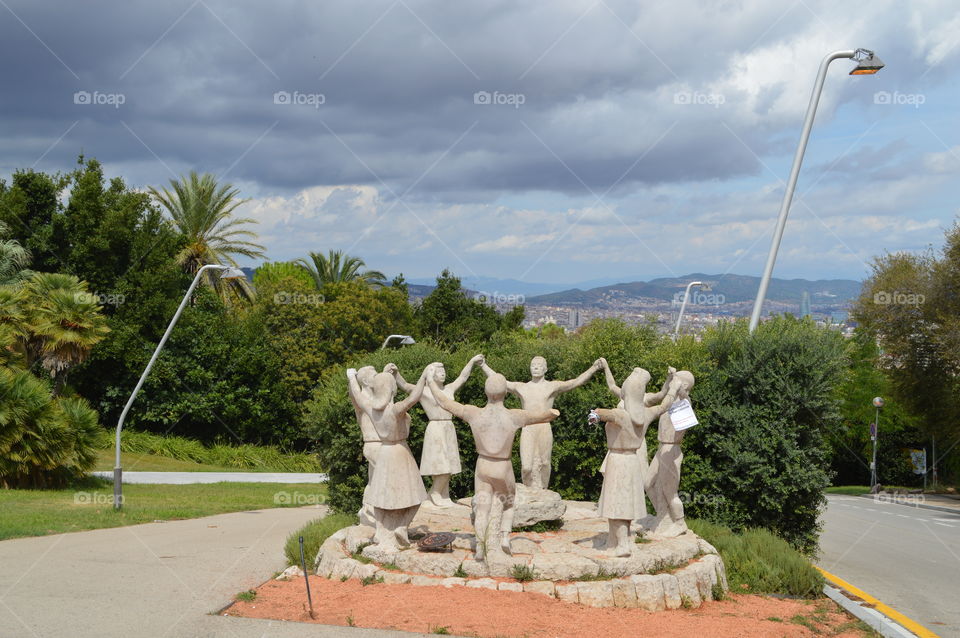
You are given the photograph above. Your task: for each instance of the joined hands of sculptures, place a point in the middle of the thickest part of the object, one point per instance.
(395, 490)
(538, 395)
(440, 458)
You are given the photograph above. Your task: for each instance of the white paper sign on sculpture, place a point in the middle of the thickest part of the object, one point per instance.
(682, 416)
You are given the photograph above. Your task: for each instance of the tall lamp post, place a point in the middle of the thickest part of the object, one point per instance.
(686, 296)
(867, 64)
(228, 273)
(874, 435)
(405, 340)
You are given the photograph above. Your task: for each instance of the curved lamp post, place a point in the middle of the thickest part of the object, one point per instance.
(405, 340)
(686, 295)
(867, 64)
(229, 272)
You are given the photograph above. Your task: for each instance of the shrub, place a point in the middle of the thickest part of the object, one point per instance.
(759, 562)
(44, 441)
(314, 534)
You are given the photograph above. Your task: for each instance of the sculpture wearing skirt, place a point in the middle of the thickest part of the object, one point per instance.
(360, 382)
(642, 456)
(663, 481)
(396, 489)
(624, 428)
(440, 458)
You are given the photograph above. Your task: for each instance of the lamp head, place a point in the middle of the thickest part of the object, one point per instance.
(867, 62)
(407, 340)
(231, 272)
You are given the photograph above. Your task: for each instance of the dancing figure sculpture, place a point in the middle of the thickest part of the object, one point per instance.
(396, 489)
(625, 429)
(494, 427)
(538, 395)
(663, 479)
(440, 458)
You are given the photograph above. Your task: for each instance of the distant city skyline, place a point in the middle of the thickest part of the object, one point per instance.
(541, 142)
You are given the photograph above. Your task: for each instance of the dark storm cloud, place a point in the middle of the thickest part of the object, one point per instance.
(198, 81)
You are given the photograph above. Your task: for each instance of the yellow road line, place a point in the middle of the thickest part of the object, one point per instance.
(886, 610)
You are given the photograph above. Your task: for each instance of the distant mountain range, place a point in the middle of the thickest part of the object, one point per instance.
(734, 288)
(493, 286)
(599, 292)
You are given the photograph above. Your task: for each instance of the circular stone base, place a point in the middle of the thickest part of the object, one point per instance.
(570, 563)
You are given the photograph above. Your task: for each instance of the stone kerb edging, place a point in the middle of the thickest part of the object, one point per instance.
(703, 576)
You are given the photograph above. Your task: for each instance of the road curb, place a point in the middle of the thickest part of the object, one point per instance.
(881, 617)
(939, 508)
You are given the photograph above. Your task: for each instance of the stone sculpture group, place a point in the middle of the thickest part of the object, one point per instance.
(395, 489)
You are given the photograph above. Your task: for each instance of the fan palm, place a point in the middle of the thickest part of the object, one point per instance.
(64, 321)
(202, 211)
(13, 258)
(336, 267)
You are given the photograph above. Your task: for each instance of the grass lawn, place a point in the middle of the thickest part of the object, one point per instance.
(89, 506)
(133, 462)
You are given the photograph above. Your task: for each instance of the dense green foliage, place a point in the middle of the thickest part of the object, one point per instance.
(759, 562)
(759, 458)
(910, 305)
(448, 316)
(44, 441)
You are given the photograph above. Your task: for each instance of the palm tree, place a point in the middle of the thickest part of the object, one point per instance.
(335, 267)
(13, 258)
(203, 210)
(63, 322)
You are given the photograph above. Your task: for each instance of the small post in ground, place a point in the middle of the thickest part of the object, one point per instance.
(306, 579)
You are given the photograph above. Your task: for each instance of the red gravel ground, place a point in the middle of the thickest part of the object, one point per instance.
(490, 614)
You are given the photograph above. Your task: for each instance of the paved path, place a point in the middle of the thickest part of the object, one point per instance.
(153, 580)
(183, 478)
(906, 556)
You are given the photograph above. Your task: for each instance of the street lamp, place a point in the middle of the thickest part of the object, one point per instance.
(874, 434)
(405, 340)
(228, 272)
(686, 295)
(867, 64)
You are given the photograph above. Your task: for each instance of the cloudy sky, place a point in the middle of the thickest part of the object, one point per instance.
(557, 141)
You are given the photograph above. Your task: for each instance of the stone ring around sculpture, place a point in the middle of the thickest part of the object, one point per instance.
(435, 541)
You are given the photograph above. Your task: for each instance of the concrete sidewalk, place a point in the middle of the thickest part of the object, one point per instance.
(186, 478)
(153, 580)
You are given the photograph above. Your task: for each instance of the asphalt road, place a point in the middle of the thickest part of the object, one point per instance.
(906, 556)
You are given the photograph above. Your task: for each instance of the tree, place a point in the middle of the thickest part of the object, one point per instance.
(852, 448)
(217, 378)
(202, 210)
(13, 258)
(336, 267)
(31, 209)
(271, 272)
(910, 305)
(448, 316)
(55, 321)
(310, 331)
